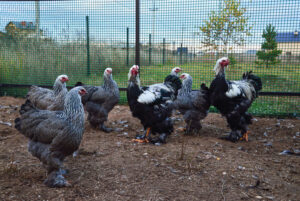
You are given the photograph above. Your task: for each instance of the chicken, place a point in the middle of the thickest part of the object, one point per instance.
(152, 105)
(233, 98)
(46, 99)
(101, 100)
(175, 71)
(193, 105)
(53, 135)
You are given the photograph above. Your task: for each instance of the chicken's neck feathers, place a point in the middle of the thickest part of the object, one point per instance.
(110, 85)
(186, 87)
(74, 111)
(58, 87)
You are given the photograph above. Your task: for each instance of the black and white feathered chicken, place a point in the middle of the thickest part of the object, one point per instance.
(100, 100)
(53, 135)
(193, 105)
(46, 99)
(233, 98)
(175, 71)
(153, 105)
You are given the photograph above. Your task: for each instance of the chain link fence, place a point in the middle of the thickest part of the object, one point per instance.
(41, 40)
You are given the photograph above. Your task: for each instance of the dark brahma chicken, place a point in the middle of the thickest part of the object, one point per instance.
(46, 99)
(53, 135)
(193, 105)
(100, 100)
(233, 98)
(153, 105)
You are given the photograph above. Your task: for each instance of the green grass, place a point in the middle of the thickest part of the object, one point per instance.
(32, 62)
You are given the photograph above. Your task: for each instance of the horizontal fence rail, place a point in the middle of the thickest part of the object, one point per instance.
(265, 93)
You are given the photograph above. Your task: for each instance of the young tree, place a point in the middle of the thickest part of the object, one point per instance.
(269, 50)
(226, 27)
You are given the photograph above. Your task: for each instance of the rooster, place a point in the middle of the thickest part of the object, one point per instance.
(46, 99)
(193, 105)
(100, 100)
(53, 135)
(233, 98)
(175, 71)
(153, 105)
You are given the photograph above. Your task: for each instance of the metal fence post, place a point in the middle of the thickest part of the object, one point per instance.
(88, 45)
(180, 58)
(150, 49)
(164, 51)
(137, 32)
(127, 46)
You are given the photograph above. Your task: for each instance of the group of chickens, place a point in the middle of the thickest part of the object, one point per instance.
(53, 120)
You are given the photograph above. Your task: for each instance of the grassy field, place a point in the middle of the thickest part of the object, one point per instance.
(31, 62)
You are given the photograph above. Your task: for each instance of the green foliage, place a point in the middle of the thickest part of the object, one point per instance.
(269, 50)
(226, 27)
(232, 60)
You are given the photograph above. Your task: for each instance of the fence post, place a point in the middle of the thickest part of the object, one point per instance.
(180, 58)
(137, 32)
(88, 45)
(127, 46)
(164, 51)
(150, 49)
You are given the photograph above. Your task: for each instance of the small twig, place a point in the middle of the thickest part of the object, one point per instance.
(223, 190)
(79, 178)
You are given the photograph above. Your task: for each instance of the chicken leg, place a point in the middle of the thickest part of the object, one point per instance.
(245, 136)
(104, 128)
(143, 138)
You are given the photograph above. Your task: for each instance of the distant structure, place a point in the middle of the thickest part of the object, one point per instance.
(289, 43)
(21, 29)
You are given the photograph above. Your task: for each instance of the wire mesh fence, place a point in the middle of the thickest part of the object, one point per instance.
(41, 40)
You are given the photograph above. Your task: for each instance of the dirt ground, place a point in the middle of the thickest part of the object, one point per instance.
(202, 167)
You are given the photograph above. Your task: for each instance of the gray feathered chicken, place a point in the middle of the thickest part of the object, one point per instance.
(100, 100)
(46, 99)
(53, 135)
(193, 105)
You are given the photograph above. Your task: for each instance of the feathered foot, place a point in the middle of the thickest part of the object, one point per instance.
(75, 154)
(105, 129)
(160, 140)
(56, 179)
(245, 136)
(143, 138)
(234, 136)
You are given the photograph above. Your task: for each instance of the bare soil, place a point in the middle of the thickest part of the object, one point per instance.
(203, 167)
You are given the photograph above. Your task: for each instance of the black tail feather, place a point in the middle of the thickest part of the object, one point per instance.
(256, 81)
(78, 84)
(26, 107)
(18, 123)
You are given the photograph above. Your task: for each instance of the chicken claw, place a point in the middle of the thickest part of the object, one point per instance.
(245, 136)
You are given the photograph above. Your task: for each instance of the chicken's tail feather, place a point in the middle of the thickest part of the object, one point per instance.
(78, 84)
(254, 79)
(18, 123)
(26, 107)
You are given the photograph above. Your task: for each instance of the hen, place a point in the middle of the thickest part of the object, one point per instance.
(46, 99)
(53, 135)
(152, 105)
(100, 100)
(193, 105)
(233, 98)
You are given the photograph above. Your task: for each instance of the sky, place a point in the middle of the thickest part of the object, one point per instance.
(175, 20)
